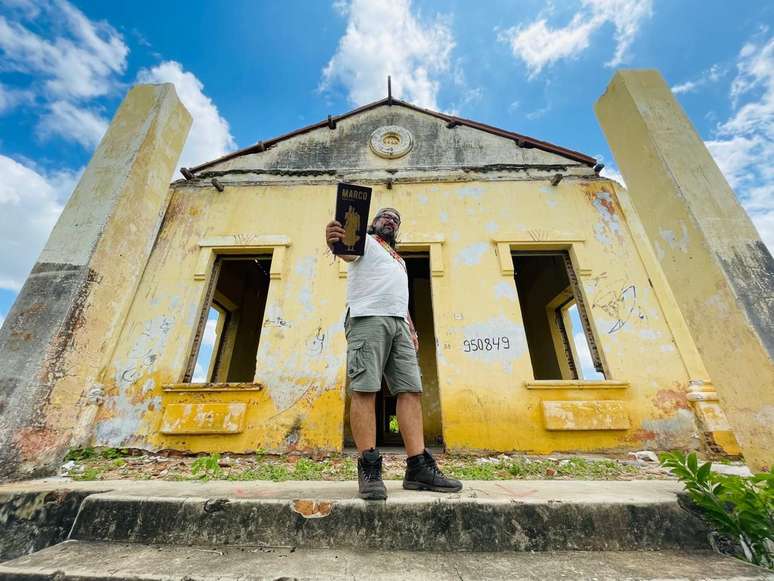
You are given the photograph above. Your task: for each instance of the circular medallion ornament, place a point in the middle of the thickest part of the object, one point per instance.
(391, 141)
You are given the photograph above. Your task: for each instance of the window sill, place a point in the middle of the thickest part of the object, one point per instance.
(210, 387)
(575, 384)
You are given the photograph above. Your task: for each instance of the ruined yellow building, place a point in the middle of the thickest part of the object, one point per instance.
(502, 234)
(521, 258)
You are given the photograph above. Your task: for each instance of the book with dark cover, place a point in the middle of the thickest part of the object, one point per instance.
(352, 204)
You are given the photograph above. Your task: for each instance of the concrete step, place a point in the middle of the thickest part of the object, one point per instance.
(485, 516)
(81, 561)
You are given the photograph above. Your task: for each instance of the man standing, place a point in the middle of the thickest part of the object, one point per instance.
(381, 341)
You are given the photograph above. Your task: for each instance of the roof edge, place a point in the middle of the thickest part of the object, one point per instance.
(522, 140)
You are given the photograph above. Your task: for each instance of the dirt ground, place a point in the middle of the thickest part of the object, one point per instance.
(111, 463)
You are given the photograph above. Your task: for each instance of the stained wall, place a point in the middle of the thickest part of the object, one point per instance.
(488, 398)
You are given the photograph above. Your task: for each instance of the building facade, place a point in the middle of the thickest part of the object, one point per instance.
(546, 322)
(503, 235)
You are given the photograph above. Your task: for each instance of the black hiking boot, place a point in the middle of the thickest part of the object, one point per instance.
(422, 473)
(369, 476)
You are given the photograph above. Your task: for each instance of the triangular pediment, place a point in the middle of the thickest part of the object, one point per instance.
(393, 134)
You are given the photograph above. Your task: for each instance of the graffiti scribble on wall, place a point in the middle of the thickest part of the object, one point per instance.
(317, 343)
(620, 304)
(145, 351)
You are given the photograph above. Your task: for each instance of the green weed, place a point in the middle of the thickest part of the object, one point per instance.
(484, 471)
(207, 467)
(110, 453)
(80, 454)
(307, 469)
(88, 474)
(740, 509)
(347, 469)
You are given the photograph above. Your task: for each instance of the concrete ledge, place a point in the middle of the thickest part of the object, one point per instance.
(525, 491)
(421, 526)
(486, 516)
(30, 521)
(76, 560)
(520, 515)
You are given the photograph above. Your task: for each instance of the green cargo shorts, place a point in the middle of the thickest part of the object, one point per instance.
(381, 346)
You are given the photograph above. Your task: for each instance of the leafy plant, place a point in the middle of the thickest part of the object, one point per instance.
(739, 509)
(110, 453)
(485, 471)
(347, 469)
(207, 467)
(80, 454)
(271, 471)
(394, 427)
(88, 474)
(307, 469)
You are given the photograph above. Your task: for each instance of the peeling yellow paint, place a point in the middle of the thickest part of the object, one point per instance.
(708, 252)
(585, 415)
(203, 418)
(488, 398)
(484, 403)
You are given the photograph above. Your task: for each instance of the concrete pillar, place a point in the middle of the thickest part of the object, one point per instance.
(720, 272)
(63, 326)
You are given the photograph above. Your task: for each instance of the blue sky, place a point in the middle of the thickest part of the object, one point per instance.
(250, 70)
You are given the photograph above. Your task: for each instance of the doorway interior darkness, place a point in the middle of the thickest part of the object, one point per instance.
(229, 329)
(421, 310)
(548, 289)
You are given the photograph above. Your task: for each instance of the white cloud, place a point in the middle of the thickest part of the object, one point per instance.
(77, 60)
(199, 375)
(210, 136)
(83, 61)
(587, 370)
(10, 98)
(734, 155)
(29, 8)
(626, 16)
(539, 44)
(386, 38)
(743, 145)
(711, 75)
(208, 337)
(611, 172)
(466, 95)
(205, 349)
(686, 87)
(341, 7)
(538, 113)
(30, 203)
(74, 123)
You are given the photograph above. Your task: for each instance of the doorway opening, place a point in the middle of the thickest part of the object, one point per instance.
(421, 311)
(226, 342)
(561, 344)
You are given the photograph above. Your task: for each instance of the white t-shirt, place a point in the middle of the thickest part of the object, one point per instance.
(377, 284)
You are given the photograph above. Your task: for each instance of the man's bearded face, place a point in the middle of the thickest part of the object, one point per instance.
(386, 227)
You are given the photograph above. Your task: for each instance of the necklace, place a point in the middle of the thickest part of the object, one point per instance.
(391, 250)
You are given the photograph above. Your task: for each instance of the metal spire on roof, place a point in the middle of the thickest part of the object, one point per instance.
(389, 90)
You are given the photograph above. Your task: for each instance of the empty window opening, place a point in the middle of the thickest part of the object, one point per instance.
(558, 332)
(580, 343)
(421, 311)
(209, 344)
(227, 340)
